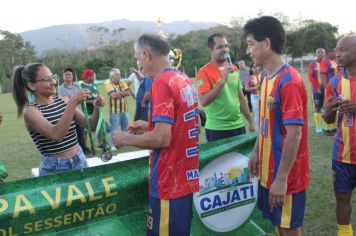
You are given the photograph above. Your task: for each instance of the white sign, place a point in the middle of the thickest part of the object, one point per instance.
(227, 195)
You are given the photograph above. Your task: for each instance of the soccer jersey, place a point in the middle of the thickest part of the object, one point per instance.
(94, 93)
(174, 170)
(283, 102)
(117, 104)
(345, 138)
(314, 76)
(223, 113)
(328, 68)
(332, 87)
(253, 80)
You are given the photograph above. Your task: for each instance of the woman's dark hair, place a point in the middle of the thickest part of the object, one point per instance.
(267, 27)
(21, 76)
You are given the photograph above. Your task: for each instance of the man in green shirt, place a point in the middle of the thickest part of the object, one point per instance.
(220, 92)
(88, 83)
(88, 77)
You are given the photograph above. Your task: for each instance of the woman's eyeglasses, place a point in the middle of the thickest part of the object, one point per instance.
(49, 79)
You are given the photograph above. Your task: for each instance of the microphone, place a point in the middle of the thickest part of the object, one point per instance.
(228, 58)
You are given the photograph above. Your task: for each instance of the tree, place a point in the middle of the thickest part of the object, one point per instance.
(320, 34)
(310, 37)
(194, 48)
(237, 39)
(14, 51)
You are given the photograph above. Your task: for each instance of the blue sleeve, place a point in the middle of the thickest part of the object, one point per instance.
(148, 83)
(163, 119)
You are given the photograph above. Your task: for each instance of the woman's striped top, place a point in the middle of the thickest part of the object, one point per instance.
(53, 112)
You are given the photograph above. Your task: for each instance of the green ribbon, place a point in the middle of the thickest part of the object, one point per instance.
(103, 131)
(100, 127)
(85, 110)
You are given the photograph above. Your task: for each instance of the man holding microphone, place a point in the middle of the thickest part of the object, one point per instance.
(220, 92)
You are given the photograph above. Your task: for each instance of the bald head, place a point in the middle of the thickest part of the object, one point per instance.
(346, 51)
(348, 40)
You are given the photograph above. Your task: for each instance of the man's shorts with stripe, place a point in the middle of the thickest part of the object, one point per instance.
(289, 216)
(344, 177)
(171, 217)
(318, 100)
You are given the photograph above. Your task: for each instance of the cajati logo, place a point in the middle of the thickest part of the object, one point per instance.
(227, 195)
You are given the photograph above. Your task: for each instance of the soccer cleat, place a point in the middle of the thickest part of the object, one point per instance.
(319, 130)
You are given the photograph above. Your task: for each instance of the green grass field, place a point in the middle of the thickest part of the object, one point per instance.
(20, 155)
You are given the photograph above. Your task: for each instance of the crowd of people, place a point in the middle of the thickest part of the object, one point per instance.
(270, 97)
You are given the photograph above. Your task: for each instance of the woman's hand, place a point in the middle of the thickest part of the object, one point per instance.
(99, 101)
(80, 96)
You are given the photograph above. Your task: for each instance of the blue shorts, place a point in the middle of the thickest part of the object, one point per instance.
(52, 165)
(318, 100)
(344, 176)
(289, 216)
(171, 217)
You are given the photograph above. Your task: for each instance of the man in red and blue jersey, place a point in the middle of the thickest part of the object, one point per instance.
(318, 89)
(329, 68)
(173, 134)
(280, 157)
(331, 88)
(341, 106)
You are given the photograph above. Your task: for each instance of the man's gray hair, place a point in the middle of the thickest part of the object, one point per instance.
(320, 49)
(113, 71)
(154, 42)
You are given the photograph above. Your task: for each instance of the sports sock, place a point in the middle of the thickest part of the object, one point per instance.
(317, 119)
(345, 230)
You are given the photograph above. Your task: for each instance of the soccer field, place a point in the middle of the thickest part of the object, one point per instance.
(20, 155)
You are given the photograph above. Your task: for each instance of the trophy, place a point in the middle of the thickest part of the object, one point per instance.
(175, 55)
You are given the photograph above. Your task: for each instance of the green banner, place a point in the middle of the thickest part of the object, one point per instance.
(112, 199)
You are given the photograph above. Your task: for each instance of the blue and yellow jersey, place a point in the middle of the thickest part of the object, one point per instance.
(332, 86)
(328, 68)
(314, 76)
(283, 102)
(117, 104)
(345, 138)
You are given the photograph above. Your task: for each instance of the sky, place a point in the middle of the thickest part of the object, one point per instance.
(23, 15)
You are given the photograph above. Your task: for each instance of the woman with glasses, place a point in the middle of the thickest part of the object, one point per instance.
(51, 120)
